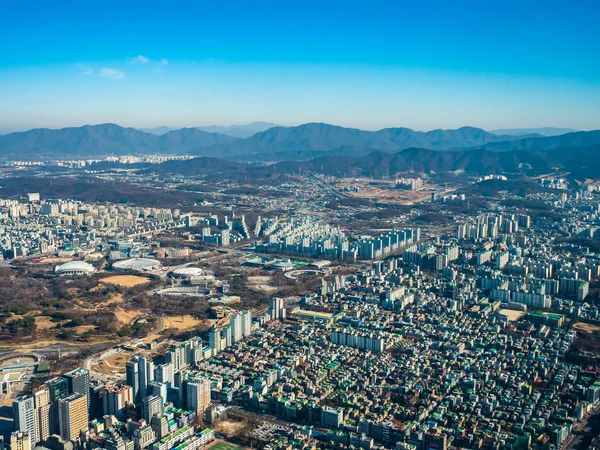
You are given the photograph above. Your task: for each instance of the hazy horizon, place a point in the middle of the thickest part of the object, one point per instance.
(143, 128)
(422, 66)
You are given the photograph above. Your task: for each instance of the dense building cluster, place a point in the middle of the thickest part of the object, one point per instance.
(455, 339)
(316, 239)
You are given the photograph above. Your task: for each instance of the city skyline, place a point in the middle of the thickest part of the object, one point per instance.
(424, 66)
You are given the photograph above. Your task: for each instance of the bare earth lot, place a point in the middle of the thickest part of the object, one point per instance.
(55, 260)
(113, 364)
(125, 280)
(586, 327)
(181, 322)
(261, 283)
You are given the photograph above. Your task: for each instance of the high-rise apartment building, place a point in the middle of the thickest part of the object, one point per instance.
(21, 440)
(214, 339)
(177, 357)
(277, 309)
(198, 394)
(193, 350)
(163, 373)
(160, 426)
(115, 400)
(140, 373)
(158, 388)
(236, 327)
(151, 406)
(43, 406)
(246, 323)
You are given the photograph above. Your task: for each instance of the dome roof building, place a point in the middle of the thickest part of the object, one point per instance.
(137, 264)
(74, 268)
(187, 272)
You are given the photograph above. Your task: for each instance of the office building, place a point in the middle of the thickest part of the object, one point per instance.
(25, 417)
(96, 409)
(331, 417)
(78, 382)
(72, 416)
(132, 377)
(146, 373)
(58, 388)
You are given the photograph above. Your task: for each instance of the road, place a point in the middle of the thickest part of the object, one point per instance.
(100, 355)
(328, 188)
(584, 433)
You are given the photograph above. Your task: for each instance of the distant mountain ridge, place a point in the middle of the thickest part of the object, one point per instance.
(186, 139)
(576, 139)
(236, 131)
(91, 141)
(158, 131)
(543, 131)
(239, 131)
(303, 142)
(324, 137)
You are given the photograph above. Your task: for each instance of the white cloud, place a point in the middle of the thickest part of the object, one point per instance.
(163, 62)
(112, 74)
(139, 59)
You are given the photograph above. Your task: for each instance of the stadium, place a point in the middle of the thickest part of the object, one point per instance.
(74, 268)
(187, 272)
(137, 264)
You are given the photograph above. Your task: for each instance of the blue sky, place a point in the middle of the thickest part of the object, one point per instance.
(421, 64)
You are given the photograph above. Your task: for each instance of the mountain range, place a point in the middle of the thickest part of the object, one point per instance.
(313, 140)
(158, 131)
(582, 162)
(544, 131)
(237, 131)
(92, 141)
(308, 141)
(325, 137)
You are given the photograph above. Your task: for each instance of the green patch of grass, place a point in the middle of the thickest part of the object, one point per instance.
(224, 446)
